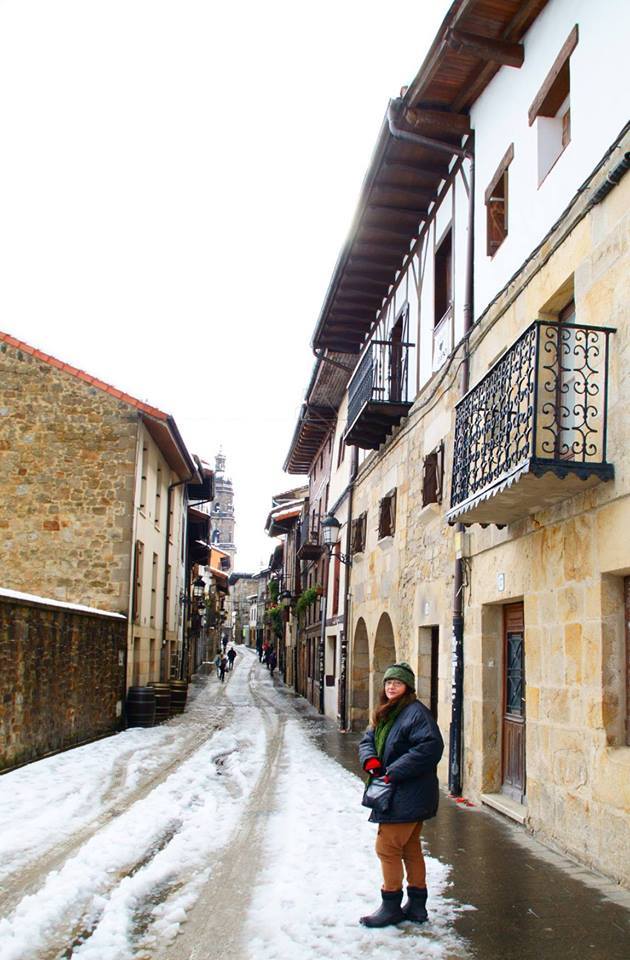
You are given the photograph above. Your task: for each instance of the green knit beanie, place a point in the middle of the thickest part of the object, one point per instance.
(401, 671)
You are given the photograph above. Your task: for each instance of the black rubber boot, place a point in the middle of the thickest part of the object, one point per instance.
(389, 912)
(416, 907)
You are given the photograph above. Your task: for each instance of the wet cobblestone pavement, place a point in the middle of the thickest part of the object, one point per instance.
(531, 903)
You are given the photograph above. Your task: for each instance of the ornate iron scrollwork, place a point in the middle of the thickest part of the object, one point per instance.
(543, 404)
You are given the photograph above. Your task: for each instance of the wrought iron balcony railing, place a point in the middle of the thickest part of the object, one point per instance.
(533, 430)
(378, 393)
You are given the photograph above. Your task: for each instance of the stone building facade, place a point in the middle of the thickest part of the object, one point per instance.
(486, 385)
(93, 488)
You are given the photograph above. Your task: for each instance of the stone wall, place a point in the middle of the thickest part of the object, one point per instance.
(62, 678)
(67, 459)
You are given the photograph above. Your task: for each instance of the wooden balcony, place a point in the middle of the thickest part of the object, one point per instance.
(377, 394)
(532, 432)
(310, 547)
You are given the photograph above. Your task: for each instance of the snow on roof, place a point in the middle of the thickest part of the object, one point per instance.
(49, 602)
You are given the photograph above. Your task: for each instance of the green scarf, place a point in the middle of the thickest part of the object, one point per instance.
(382, 731)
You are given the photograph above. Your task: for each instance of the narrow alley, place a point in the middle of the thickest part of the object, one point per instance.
(235, 831)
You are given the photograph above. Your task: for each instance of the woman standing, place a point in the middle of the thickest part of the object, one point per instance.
(403, 745)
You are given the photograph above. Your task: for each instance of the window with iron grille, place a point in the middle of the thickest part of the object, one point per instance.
(387, 515)
(433, 476)
(358, 533)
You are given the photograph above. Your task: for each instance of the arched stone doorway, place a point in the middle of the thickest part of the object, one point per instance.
(384, 655)
(360, 708)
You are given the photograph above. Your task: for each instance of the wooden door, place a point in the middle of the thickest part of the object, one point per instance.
(435, 659)
(514, 780)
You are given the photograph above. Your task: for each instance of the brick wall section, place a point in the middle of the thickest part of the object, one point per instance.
(62, 674)
(67, 460)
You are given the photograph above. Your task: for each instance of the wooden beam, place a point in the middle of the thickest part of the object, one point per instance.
(403, 211)
(389, 231)
(421, 192)
(376, 264)
(498, 51)
(365, 295)
(379, 252)
(364, 279)
(438, 121)
(349, 314)
(356, 285)
(440, 171)
(522, 19)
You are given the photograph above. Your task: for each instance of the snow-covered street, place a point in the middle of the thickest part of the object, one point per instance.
(224, 832)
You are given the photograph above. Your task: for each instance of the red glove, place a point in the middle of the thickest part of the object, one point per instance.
(373, 766)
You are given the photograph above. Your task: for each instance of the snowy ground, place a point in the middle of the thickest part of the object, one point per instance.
(223, 833)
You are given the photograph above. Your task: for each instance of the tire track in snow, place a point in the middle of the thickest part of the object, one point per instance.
(104, 884)
(23, 881)
(211, 934)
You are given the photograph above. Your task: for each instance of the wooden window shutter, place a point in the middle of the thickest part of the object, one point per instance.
(433, 476)
(392, 514)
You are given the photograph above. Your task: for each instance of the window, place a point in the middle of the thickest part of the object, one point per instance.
(551, 109)
(336, 578)
(154, 583)
(497, 205)
(341, 451)
(357, 533)
(157, 513)
(143, 478)
(433, 475)
(137, 581)
(387, 515)
(397, 377)
(443, 277)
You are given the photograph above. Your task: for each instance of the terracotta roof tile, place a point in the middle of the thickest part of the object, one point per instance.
(82, 375)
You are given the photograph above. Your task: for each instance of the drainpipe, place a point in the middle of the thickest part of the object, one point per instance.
(343, 671)
(394, 112)
(457, 688)
(169, 497)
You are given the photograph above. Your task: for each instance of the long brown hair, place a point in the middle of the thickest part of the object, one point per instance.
(386, 706)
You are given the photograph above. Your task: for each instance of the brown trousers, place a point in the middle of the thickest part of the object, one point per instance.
(398, 843)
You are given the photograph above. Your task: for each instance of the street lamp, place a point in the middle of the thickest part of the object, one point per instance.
(199, 591)
(331, 527)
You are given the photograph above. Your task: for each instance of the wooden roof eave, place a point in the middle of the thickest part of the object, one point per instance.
(475, 40)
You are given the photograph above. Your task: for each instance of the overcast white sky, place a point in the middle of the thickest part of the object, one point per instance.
(176, 180)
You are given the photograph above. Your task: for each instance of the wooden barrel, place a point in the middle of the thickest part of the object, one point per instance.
(140, 707)
(162, 701)
(179, 689)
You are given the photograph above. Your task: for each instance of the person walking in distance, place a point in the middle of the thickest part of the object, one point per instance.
(403, 745)
(222, 667)
(272, 661)
(231, 655)
(217, 662)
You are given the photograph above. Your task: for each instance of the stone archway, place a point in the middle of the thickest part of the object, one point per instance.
(360, 701)
(384, 655)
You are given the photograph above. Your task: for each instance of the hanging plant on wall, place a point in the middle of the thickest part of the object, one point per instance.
(307, 598)
(274, 617)
(273, 589)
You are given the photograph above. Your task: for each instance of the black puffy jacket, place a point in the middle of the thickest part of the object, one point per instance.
(413, 750)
